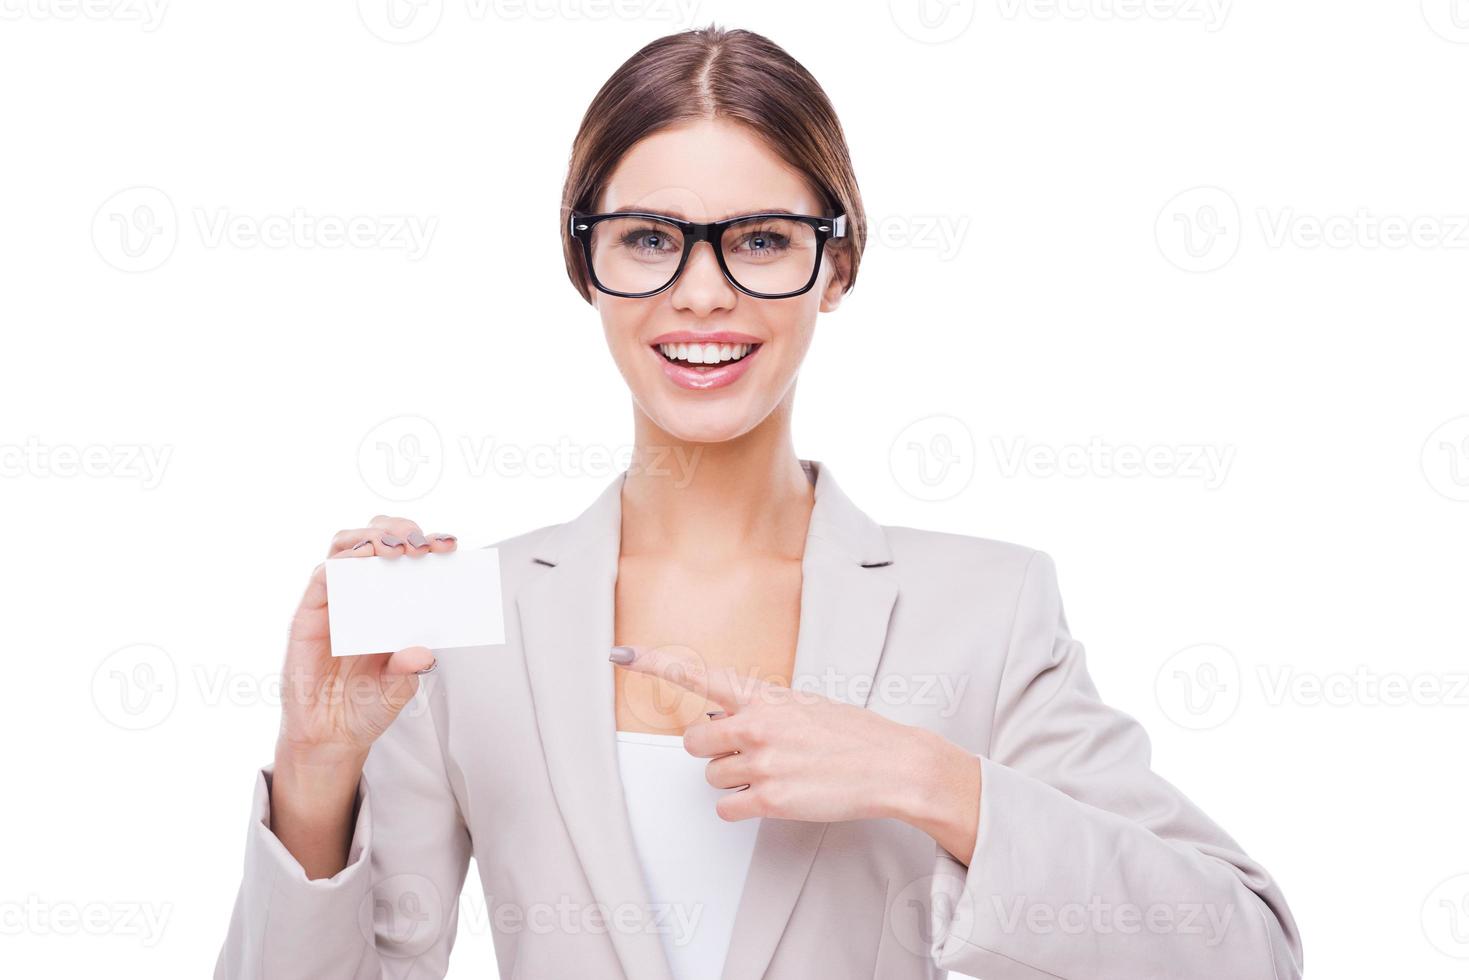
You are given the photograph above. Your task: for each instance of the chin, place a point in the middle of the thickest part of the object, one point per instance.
(703, 423)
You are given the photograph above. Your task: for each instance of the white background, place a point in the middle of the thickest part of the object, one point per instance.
(1034, 278)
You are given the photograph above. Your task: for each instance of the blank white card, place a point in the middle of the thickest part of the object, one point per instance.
(379, 605)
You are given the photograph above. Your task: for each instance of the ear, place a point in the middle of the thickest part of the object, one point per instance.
(838, 268)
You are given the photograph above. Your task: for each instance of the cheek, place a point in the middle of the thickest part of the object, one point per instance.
(621, 323)
(795, 329)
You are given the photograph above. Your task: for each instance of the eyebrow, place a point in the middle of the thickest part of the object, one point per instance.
(682, 217)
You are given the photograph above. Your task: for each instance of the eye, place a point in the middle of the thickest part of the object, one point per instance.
(762, 242)
(648, 240)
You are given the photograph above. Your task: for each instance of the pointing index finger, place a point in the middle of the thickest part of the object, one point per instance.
(684, 668)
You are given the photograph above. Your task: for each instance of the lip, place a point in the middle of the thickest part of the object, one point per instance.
(704, 337)
(719, 377)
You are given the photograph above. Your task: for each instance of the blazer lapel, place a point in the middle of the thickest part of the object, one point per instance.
(848, 589)
(566, 623)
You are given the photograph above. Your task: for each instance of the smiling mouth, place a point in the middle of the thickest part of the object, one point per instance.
(705, 357)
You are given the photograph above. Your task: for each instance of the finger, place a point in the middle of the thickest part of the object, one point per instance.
(346, 539)
(741, 804)
(315, 597)
(409, 661)
(396, 531)
(442, 544)
(709, 739)
(401, 675)
(730, 772)
(401, 527)
(406, 532)
(366, 542)
(686, 669)
(361, 548)
(384, 544)
(398, 536)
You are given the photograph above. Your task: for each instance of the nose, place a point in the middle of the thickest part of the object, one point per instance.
(702, 287)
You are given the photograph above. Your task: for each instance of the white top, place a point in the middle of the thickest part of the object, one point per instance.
(694, 862)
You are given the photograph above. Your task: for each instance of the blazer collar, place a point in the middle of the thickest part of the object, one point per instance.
(848, 590)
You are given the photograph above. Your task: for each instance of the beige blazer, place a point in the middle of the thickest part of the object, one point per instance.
(1087, 864)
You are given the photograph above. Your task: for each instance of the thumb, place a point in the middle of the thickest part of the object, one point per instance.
(411, 660)
(401, 672)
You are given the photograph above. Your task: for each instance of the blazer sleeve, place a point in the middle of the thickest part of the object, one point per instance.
(392, 911)
(1087, 864)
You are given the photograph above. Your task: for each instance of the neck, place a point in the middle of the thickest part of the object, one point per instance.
(711, 502)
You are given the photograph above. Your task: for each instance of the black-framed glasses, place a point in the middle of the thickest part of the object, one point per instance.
(769, 255)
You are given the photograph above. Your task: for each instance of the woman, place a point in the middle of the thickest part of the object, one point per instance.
(899, 763)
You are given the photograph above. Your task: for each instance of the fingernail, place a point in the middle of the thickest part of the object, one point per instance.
(714, 714)
(430, 668)
(622, 655)
(364, 541)
(391, 540)
(417, 539)
(445, 537)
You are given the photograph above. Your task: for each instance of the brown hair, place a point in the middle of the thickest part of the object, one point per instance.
(709, 73)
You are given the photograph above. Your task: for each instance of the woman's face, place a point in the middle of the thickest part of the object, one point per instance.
(706, 171)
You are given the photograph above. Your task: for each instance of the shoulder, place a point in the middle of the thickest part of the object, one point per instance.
(960, 551)
(966, 562)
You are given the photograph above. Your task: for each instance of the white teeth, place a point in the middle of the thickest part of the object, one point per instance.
(705, 353)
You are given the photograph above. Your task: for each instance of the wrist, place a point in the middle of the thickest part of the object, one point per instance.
(940, 792)
(317, 773)
(918, 758)
(313, 806)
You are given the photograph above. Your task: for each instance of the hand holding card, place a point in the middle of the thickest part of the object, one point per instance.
(439, 601)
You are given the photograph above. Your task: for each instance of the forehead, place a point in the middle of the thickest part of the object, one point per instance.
(706, 170)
